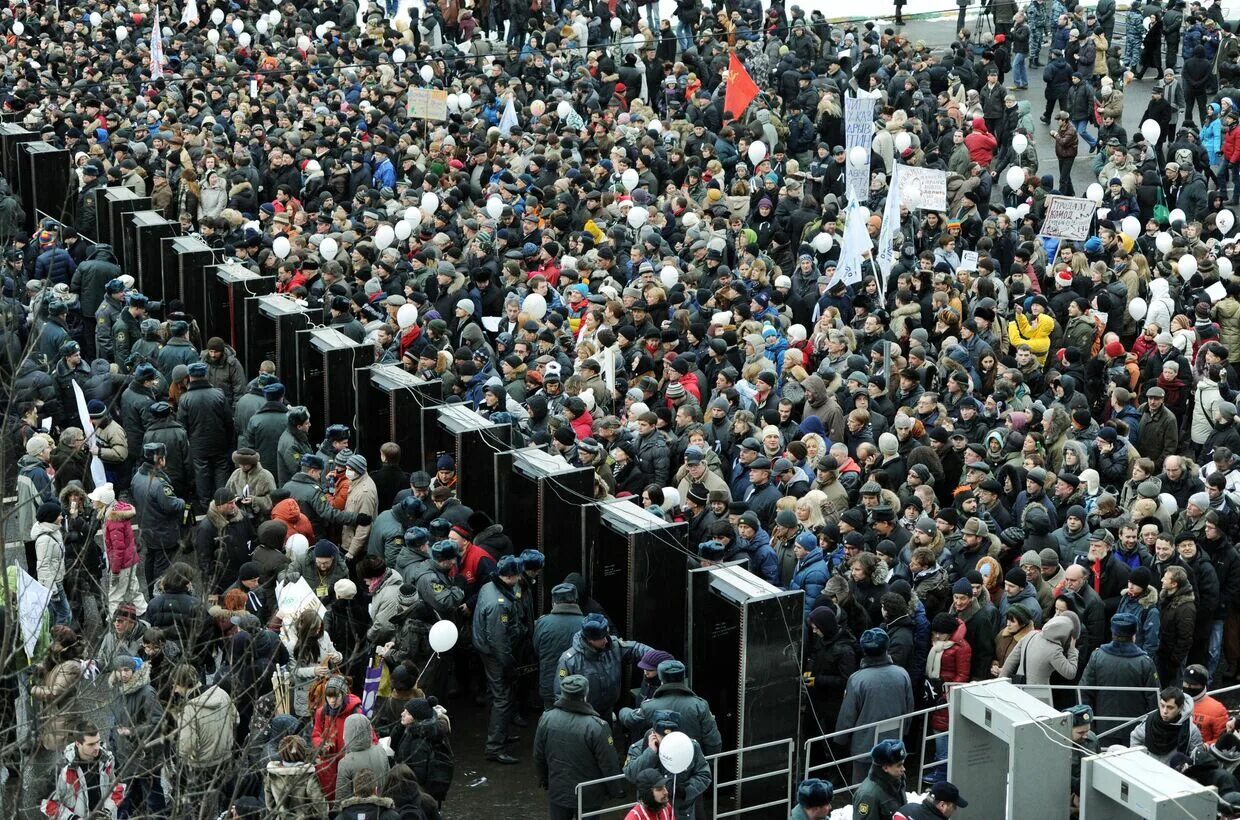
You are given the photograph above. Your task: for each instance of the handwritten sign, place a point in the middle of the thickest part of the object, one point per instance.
(858, 133)
(924, 188)
(1068, 217)
(968, 261)
(427, 104)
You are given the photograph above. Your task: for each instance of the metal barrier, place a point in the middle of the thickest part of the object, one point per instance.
(1044, 693)
(786, 771)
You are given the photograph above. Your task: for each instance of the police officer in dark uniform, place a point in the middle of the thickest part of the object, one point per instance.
(498, 634)
(161, 513)
(306, 489)
(573, 745)
(145, 348)
(127, 328)
(881, 794)
(440, 594)
(109, 310)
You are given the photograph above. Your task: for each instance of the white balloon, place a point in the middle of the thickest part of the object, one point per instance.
(321, 30)
(296, 546)
(669, 276)
(535, 306)
(413, 216)
(213, 36)
(1019, 143)
(238, 26)
(638, 217)
(1015, 177)
(1151, 131)
(464, 101)
(1094, 192)
(328, 249)
(676, 752)
(406, 315)
(495, 207)
(96, 18)
(615, 24)
(1022, 210)
(1131, 227)
(538, 108)
(1187, 265)
(122, 33)
(629, 179)
(303, 43)
(1011, 213)
(244, 39)
(857, 156)
(903, 142)
(403, 230)
(1137, 308)
(822, 242)
(19, 28)
(385, 235)
(261, 25)
(1224, 268)
(454, 103)
(1102, 213)
(427, 73)
(443, 636)
(399, 56)
(563, 109)
(274, 17)
(1225, 220)
(1163, 242)
(217, 16)
(430, 202)
(757, 151)
(1175, 216)
(280, 247)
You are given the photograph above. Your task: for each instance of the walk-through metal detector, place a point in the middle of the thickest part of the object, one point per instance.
(228, 285)
(328, 363)
(1000, 735)
(390, 401)
(471, 441)
(1128, 784)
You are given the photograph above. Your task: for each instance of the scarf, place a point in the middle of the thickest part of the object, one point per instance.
(934, 659)
(1163, 738)
(1096, 569)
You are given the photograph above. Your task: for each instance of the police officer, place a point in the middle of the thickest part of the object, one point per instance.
(305, 487)
(106, 314)
(813, 800)
(127, 328)
(144, 348)
(696, 719)
(498, 633)
(335, 440)
(691, 784)
(207, 416)
(573, 745)
(601, 657)
(434, 577)
(160, 512)
(881, 794)
(69, 369)
(553, 634)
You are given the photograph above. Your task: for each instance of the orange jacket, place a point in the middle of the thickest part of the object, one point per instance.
(1211, 718)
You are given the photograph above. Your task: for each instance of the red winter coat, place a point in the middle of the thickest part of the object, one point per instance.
(981, 143)
(1231, 145)
(118, 537)
(328, 738)
(954, 668)
(291, 514)
(583, 426)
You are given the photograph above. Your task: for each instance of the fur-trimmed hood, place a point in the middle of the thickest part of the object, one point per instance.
(121, 511)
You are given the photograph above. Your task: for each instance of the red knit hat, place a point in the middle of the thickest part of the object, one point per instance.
(1114, 349)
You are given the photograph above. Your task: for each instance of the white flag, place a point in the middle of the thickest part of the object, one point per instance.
(189, 16)
(853, 247)
(157, 47)
(886, 237)
(509, 120)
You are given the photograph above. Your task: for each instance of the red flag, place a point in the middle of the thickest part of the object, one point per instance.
(741, 90)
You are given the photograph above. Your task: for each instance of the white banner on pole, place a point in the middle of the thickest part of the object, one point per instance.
(32, 601)
(1068, 217)
(924, 188)
(853, 248)
(97, 473)
(891, 223)
(858, 133)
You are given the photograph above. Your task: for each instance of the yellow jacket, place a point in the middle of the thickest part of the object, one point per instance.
(1037, 334)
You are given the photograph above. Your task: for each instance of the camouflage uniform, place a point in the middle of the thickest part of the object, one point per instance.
(1134, 31)
(1038, 16)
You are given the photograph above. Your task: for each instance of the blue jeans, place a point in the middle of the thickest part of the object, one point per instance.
(1082, 128)
(1216, 646)
(1020, 73)
(684, 36)
(939, 773)
(59, 605)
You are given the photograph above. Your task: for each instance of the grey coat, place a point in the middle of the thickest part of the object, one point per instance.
(691, 784)
(604, 668)
(360, 753)
(1120, 664)
(696, 719)
(553, 634)
(574, 745)
(879, 690)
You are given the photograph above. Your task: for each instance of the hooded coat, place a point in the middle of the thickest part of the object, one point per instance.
(292, 791)
(362, 751)
(1050, 651)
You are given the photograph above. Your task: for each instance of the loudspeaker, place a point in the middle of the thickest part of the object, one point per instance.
(543, 507)
(113, 204)
(390, 399)
(228, 284)
(328, 362)
(632, 559)
(472, 441)
(141, 233)
(190, 257)
(13, 135)
(42, 180)
(277, 322)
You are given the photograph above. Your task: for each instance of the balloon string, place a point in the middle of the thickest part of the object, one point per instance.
(671, 798)
(417, 682)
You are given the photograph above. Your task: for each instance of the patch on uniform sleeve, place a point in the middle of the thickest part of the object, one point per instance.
(863, 808)
(169, 492)
(102, 320)
(611, 741)
(437, 587)
(501, 600)
(503, 619)
(563, 673)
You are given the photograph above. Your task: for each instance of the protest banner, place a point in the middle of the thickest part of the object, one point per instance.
(1068, 217)
(858, 132)
(922, 188)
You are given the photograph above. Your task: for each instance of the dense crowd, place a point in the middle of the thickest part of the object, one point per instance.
(1012, 455)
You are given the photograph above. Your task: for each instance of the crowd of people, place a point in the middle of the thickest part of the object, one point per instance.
(1013, 455)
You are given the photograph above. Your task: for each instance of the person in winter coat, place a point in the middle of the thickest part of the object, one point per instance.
(121, 548)
(696, 719)
(1140, 600)
(290, 786)
(1169, 728)
(136, 717)
(1177, 613)
(223, 540)
(207, 416)
(328, 734)
(981, 143)
(363, 499)
(882, 791)
(1049, 651)
(878, 691)
(49, 548)
(366, 803)
(600, 657)
(948, 661)
(266, 428)
(833, 659)
(499, 632)
(224, 370)
(420, 741)
(1120, 663)
(87, 764)
(204, 744)
(362, 751)
(553, 635)
(1210, 715)
(251, 484)
(691, 783)
(811, 572)
(56, 691)
(572, 745)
